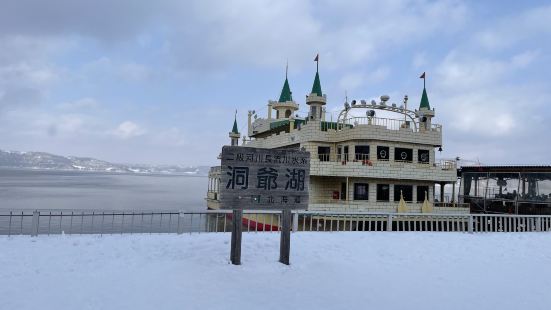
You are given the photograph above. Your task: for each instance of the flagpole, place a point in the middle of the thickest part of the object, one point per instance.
(317, 62)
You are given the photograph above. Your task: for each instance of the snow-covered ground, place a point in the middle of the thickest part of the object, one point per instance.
(328, 271)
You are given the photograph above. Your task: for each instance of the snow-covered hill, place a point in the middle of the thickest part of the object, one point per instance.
(42, 160)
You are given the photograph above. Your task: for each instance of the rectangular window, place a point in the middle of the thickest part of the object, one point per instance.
(402, 154)
(362, 152)
(423, 156)
(323, 153)
(383, 192)
(383, 152)
(421, 190)
(342, 152)
(346, 152)
(361, 191)
(343, 191)
(406, 190)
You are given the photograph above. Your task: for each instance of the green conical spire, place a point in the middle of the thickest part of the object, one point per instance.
(316, 88)
(234, 129)
(286, 94)
(424, 100)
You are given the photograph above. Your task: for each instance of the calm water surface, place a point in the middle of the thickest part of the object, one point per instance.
(72, 190)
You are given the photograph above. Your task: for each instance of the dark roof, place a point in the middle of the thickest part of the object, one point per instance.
(506, 168)
(316, 88)
(424, 100)
(286, 94)
(234, 129)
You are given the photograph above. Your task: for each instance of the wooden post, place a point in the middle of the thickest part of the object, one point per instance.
(236, 233)
(285, 243)
(34, 228)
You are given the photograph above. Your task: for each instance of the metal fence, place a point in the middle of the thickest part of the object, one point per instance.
(99, 222)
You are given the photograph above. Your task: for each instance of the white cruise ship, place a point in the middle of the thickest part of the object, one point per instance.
(360, 161)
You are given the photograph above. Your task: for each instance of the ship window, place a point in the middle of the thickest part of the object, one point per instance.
(361, 191)
(362, 152)
(407, 191)
(423, 156)
(383, 192)
(402, 154)
(288, 113)
(421, 193)
(323, 153)
(342, 153)
(382, 152)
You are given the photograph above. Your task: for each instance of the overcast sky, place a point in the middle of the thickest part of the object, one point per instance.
(158, 81)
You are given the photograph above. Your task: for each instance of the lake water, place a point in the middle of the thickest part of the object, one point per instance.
(73, 190)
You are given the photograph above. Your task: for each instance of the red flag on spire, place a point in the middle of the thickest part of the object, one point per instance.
(422, 76)
(317, 57)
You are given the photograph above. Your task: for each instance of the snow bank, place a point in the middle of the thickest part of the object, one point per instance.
(328, 271)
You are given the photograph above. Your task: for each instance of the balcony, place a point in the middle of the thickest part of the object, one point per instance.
(342, 166)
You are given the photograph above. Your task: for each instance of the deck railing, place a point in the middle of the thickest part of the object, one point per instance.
(93, 222)
(391, 124)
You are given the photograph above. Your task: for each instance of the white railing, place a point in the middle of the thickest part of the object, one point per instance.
(390, 123)
(93, 222)
(446, 164)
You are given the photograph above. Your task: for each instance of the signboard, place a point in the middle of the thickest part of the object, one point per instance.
(264, 179)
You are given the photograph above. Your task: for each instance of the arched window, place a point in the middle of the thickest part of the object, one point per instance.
(288, 113)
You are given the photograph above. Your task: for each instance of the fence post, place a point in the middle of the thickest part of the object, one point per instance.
(236, 233)
(180, 228)
(285, 242)
(389, 223)
(538, 223)
(34, 227)
(295, 221)
(471, 224)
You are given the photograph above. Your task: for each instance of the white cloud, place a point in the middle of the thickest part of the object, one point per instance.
(265, 33)
(460, 71)
(419, 60)
(128, 129)
(125, 70)
(82, 103)
(170, 137)
(511, 30)
(524, 59)
(352, 81)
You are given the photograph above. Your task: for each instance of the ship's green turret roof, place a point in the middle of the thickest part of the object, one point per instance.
(316, 88)
(286, 94)
(234, 129)
(424, 100)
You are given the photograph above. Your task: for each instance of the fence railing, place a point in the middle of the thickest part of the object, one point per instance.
(93, 222)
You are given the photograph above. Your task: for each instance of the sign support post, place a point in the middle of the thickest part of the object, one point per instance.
(236, 233)
(285, 242)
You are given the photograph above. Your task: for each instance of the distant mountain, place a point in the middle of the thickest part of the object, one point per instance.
(41, 160)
